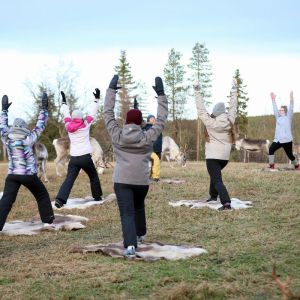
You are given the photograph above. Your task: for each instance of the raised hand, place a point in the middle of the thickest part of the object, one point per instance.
(63, 101)
(45, 101)
(5, 104)
(273, 96)
(114, 83)
(97, 94)
(159, 87)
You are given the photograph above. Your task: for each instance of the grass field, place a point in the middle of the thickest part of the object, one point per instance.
(242, 245)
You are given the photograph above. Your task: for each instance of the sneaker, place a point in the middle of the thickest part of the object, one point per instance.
(48, 226)
(129, 252)
(100, 199)
(211, 199)
(297, 167)
(140, 239)
(226, 206)
(58, 203)
(271, 167)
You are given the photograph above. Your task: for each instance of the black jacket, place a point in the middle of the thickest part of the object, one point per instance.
(157, 145)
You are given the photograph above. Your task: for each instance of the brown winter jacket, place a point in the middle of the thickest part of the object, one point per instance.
(219, 128)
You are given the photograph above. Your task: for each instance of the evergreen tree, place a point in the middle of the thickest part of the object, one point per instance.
(175, 89)
(242, 119)
(201, 72)
(142, 97)
(127, 84)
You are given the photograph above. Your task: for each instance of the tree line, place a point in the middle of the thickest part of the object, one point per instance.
(178, 81)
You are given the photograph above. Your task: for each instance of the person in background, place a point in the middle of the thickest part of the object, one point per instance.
(132, 147)
(219, 129)
(156, 154)
(78, 129)
(283, 132)
(22, 165)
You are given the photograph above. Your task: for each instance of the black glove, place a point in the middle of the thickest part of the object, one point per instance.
(135, 104)
(63, 101)
(159, 87)
(45, 101)
(5, 104)
(97, 94)
(114, 83)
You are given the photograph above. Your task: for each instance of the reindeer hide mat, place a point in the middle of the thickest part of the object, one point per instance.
(35, 226)
(235, 204)
(172, 180)
(280, 169)
(144, 251)
(83, 203)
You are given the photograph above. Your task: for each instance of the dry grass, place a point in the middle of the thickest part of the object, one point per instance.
(242, 245)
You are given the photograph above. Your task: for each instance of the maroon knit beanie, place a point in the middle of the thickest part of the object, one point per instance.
(134, 116)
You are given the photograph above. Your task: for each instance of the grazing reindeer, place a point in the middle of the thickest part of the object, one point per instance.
(41, 153)
(62, 148)
(172, 152)
(296, 150)
(249, 145)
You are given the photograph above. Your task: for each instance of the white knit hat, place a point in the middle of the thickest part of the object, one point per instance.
(18, 122)
(77, 114)
(219, 109)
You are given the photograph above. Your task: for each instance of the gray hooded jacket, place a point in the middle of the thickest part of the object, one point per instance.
(283, 130)
(132, 145)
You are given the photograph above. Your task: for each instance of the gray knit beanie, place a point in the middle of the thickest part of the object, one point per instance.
(18, 122)
(77, 114)
(219, 109)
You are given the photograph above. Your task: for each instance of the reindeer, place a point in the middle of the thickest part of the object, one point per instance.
(62, 148)
(250, 145)
(296, 150)
(41, 153)
(172, 152)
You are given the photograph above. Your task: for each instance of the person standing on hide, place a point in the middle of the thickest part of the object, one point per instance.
(22, 165)
(78, 129)
(283, 132)
(132, 147)
(219, 128)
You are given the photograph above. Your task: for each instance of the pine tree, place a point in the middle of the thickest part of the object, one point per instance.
(142, 97)
(201, 72)
(175, 89)
(127, 84)
(242, 119)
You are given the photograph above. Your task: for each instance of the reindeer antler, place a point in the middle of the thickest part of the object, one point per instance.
(284, 287)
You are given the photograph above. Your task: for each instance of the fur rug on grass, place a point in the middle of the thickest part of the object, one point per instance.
(235, 204)
(281, 169)
(172, 180)
(35, 226)
(145, 251)
(83, 203)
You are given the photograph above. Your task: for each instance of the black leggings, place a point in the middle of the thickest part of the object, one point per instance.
(131, 202)
(36, 187)
(217, 187)
(288, 148)
(77, 163)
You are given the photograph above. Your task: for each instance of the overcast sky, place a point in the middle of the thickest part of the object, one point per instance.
(261, 38)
